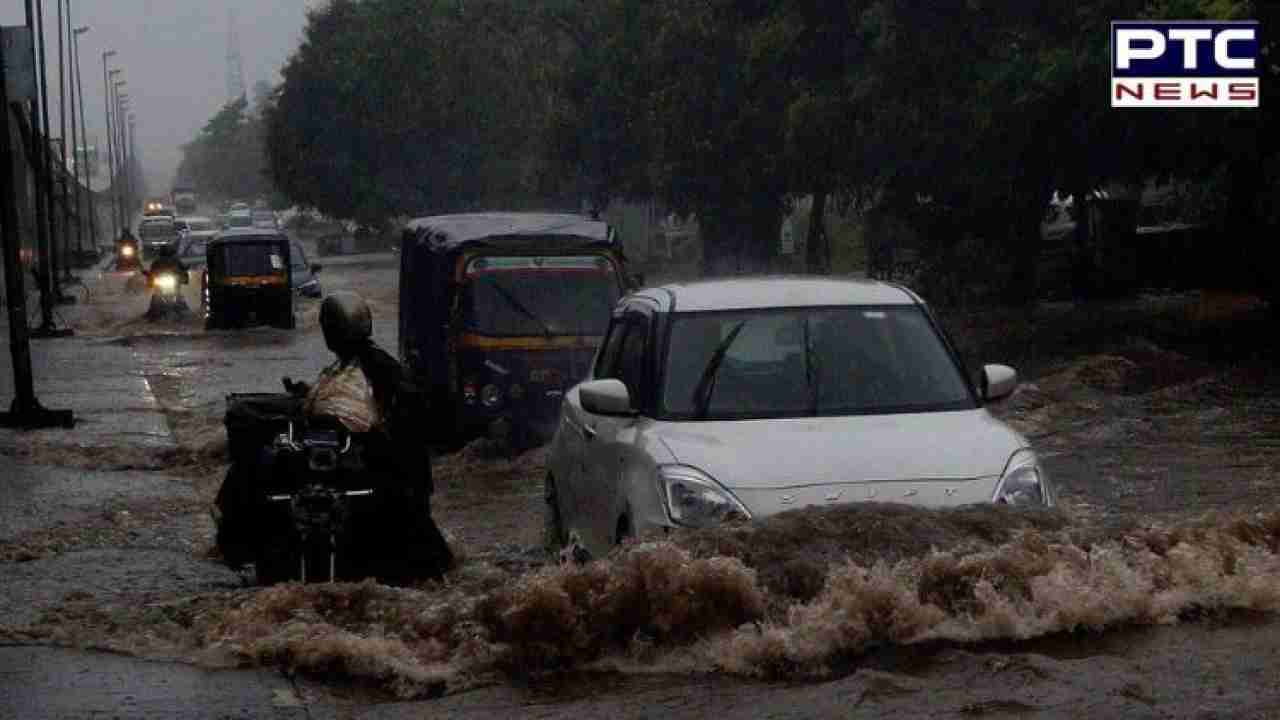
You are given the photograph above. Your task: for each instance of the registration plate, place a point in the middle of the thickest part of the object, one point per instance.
(545, 376)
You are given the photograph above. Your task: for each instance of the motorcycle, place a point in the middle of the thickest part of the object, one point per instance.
(127, 255)
(307, 500)
(166, 294)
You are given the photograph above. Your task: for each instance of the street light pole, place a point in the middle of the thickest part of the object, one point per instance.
(62, 162)
(115, 143)
(122, 162)
(84, 140)
(44, 185)
(111, 152)
(130, 202)
(77, 138)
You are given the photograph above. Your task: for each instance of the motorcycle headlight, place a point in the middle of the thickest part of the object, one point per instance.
(167, 282)
(1024, 482)
(694, 499)
(491, 396)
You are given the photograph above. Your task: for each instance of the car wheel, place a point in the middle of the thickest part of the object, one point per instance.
(553, 535)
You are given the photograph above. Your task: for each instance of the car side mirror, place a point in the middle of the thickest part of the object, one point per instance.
(998, 381)
(605, 397)
(315, 268)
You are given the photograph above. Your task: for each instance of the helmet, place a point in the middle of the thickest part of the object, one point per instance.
(346, 321)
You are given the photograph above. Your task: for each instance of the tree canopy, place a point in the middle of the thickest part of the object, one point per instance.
(732, 109)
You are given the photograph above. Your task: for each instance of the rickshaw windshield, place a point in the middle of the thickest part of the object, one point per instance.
(526, 296)
(248, 259)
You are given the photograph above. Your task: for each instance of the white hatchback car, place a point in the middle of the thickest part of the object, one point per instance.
(748, 397)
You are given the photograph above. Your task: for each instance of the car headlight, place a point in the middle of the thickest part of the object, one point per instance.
(167, 282)
(491, 396)
(696, 500)
(1024, 482)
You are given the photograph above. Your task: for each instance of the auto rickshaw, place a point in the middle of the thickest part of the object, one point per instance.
(500, 313)
(247, 280)
(128, 254)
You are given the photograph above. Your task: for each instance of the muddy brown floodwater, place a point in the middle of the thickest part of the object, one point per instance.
(1151, 591)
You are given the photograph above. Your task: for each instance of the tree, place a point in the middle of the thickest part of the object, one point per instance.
(392, 107)
(227, 158)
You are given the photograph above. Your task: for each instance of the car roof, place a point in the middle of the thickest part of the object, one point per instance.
(756, 293)
(249, 234)
(448, 232)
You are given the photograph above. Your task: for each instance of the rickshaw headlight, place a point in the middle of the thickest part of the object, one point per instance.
(491, 396)
(167, 282)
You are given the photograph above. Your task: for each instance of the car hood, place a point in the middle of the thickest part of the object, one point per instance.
(936, 458)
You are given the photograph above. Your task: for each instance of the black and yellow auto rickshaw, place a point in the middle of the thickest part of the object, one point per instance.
(500, 313)
(247, 280)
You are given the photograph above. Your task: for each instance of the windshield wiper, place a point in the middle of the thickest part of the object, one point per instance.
(520, 307)
(707, 383)
(811, 369)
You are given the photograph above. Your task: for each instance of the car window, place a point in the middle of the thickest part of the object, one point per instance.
(630, 368)
(196, 246)
(809, 362)
(298, 259)
(609, 350)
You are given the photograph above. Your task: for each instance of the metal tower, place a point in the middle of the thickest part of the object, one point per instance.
(235, 67)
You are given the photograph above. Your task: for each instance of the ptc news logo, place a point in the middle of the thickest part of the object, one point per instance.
(1190, 64)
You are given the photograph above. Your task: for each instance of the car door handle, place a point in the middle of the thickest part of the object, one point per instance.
(588, 432)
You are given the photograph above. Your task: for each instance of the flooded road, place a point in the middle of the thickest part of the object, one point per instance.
(1151, 592)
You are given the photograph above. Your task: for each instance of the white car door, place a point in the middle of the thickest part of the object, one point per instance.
(609, 440)
(577, 434)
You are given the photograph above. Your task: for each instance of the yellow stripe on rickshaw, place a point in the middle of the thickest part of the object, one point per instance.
(243, 280)
(485, 342)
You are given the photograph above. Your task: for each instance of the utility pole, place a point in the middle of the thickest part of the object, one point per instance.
(130, 203)
(25, 411)
(47, 250)
(83, 159)
(75, 148)
(111, 151)
(115, 143)
(62, 162)
(122, 162)
(40, 162)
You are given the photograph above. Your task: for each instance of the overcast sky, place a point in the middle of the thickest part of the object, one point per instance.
(173, 54)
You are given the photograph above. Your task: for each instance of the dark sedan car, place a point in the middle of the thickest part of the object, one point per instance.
(303, 275)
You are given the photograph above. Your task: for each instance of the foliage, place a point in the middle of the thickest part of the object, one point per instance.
(227, 158)
(959, 117)
(395, 107)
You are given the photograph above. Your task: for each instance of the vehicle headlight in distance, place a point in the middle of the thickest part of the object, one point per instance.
(1024, 482)
(491, 396)
(127, 251)
(167, 281)
(694, 499)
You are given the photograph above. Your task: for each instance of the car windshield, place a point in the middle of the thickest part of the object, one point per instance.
(540, 296)
(297, 258)
(195, 247)
(242, 259)
(809, 362)
(154, 229)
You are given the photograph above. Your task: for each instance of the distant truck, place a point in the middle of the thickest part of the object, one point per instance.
(184, 200)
